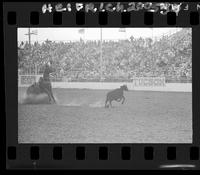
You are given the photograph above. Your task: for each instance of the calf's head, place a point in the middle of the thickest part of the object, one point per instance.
(124, 88)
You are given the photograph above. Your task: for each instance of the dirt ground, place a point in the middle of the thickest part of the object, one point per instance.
(80, 117)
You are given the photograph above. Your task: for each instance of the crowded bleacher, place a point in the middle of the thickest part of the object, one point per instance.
(169, 56)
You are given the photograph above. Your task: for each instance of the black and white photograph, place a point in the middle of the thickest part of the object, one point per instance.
(105, 85)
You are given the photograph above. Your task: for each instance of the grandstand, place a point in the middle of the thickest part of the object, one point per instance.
(123, 60)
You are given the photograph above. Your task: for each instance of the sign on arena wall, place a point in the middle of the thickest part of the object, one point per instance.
(149, 81)
(26, 80)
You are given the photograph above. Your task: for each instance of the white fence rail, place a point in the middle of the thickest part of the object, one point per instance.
(143, 84)
(27, 80)
(169, 87)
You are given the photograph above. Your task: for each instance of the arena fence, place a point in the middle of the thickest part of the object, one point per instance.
(149, 81)
(27, 80)
(138, 83)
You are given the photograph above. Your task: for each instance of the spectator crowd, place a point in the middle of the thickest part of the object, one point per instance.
(170, 56)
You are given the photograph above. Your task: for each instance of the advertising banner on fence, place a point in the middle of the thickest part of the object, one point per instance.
(149, 81)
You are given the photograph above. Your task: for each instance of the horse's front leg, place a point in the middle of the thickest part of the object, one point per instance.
(48, 89)
(48, 93)
(51, 93)
(52, 97)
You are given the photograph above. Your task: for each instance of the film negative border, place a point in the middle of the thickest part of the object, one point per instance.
(102, 156)
(37, 16)
(95, 156)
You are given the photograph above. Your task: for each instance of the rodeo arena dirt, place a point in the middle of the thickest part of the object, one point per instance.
(136, 89)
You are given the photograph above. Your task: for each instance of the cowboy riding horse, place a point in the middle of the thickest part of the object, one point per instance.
(44, 84)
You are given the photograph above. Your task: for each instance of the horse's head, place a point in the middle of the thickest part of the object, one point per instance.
(124, 88)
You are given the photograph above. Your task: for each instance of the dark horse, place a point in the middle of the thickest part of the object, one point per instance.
(43, 85)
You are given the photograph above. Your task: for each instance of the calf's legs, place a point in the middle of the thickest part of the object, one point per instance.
(106, 103)
(123, 99)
